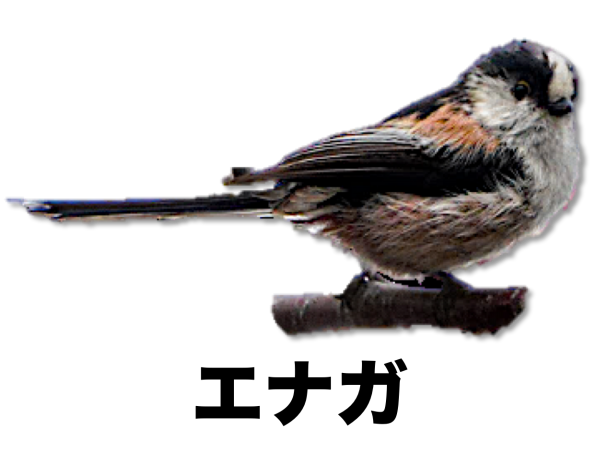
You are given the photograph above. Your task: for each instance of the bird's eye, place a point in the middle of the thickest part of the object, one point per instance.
(521, 90)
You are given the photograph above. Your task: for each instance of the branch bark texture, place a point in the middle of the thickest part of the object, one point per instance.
(378, 304)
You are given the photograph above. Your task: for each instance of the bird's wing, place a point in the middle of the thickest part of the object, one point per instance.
(373, 159)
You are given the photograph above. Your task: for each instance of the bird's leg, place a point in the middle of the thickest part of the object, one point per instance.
(357, 284)
(451, 289)
(446, 282)
(382, 278)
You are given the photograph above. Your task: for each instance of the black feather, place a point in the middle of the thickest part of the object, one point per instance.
(246, 201)
(383, 160)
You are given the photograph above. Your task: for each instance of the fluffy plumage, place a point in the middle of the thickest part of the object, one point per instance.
(445, 182)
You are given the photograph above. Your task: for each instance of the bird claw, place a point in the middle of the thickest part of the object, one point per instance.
(354, 288)
(452, 288)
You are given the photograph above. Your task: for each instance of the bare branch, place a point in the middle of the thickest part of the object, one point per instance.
(377, 304)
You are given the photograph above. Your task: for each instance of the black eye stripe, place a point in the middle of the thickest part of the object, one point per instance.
(518, 61)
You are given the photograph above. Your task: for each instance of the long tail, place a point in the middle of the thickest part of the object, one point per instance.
(245, 202)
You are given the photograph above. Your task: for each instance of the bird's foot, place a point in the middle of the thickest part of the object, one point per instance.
(350, 294)
(452, 288)
(357, 285)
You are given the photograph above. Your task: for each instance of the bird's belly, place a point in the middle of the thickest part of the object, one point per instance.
(401, 234)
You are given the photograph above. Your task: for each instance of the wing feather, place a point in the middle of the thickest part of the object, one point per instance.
(376, 159)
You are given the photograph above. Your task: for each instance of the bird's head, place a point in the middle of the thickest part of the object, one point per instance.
(521, 87)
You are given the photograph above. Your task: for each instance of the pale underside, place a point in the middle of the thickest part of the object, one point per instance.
(404, 235)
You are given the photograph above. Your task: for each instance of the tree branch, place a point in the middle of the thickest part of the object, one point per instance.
(376, 304)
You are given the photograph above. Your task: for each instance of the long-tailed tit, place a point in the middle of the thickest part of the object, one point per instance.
(448, 181)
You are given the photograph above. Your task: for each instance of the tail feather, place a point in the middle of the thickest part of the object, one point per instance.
(244, 202)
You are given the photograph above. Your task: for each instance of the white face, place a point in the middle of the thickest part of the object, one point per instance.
(495, 107)
(561, 85)
(521, 90)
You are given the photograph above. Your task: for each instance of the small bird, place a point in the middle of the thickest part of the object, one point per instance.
(451, 180)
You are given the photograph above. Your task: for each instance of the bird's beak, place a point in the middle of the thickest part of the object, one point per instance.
(560, 107)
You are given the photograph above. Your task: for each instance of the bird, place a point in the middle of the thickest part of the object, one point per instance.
(451, 180)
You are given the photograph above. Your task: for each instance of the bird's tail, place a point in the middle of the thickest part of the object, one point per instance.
(255, 202)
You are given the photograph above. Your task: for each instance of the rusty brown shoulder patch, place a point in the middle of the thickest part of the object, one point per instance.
(449, 125)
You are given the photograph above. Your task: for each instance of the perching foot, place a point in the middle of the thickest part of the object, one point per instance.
(452, 288)
(351, 294)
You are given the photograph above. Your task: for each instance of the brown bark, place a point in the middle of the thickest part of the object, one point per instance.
(377, 304)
